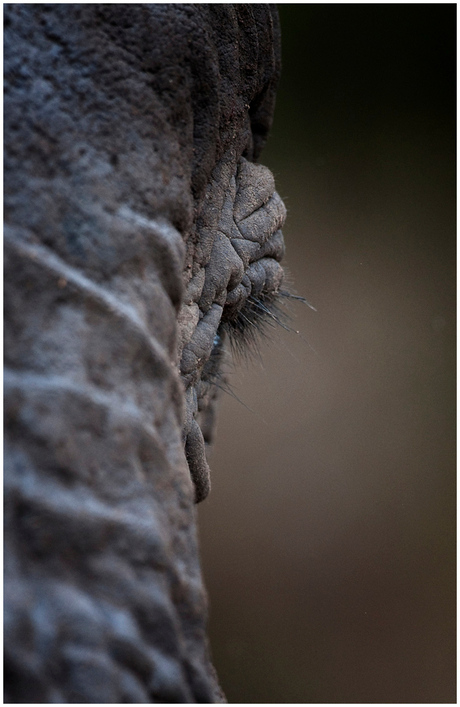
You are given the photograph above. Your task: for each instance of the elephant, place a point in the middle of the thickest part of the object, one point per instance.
(142, 247)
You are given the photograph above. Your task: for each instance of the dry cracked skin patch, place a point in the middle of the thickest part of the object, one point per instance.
(233, 283)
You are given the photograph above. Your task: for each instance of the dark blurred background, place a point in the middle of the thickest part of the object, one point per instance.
(328, 541)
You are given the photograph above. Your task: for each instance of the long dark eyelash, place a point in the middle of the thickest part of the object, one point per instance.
(252, 322)
(213, 373)
(248, 326)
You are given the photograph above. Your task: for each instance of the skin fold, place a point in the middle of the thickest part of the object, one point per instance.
(141, 236)
(237, 257)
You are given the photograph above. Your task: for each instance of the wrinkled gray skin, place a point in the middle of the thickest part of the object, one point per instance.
(137, 226)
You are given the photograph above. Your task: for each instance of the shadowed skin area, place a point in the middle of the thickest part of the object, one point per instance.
(140, 234)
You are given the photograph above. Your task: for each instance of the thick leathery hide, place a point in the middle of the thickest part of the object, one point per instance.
(134, 227)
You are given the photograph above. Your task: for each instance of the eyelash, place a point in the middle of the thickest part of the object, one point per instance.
(250, 324)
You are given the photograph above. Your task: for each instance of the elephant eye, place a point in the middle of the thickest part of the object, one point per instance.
(212, 371)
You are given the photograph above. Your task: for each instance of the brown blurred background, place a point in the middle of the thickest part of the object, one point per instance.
(328, 541)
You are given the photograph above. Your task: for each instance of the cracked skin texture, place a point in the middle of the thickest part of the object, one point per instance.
(237, 257)
(137, 225)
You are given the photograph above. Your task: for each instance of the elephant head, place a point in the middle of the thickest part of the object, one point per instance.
(140, 237)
